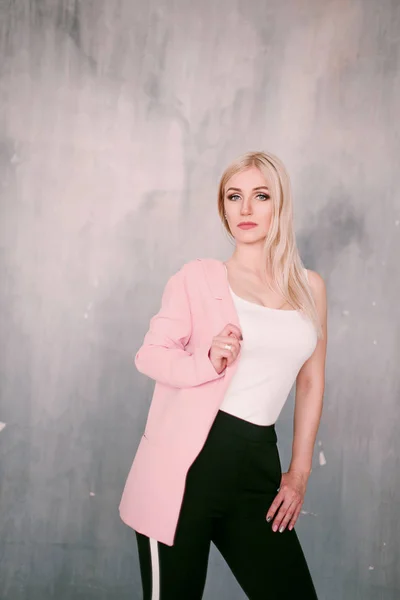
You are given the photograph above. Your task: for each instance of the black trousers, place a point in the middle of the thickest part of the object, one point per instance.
(229, 489)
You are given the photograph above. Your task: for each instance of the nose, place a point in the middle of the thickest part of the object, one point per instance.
(245, 208)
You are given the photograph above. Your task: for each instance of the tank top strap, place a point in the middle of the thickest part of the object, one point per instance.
(306, 274)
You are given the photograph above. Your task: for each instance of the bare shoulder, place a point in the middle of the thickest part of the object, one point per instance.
(315, 279)
(318, 287)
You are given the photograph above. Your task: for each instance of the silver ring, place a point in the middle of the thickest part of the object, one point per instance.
(228, 346)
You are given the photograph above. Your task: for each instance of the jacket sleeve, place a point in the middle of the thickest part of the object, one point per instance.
(162, 355)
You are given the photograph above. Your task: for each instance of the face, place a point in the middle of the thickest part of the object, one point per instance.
(248, 206)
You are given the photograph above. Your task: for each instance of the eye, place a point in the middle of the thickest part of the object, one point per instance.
(263, 196)
(232, 196)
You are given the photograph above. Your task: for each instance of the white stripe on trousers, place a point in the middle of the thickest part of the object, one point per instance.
(155, 570)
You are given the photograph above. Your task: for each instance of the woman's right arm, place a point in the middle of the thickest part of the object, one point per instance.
(162, 355)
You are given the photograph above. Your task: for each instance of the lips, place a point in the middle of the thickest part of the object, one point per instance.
(248, 225)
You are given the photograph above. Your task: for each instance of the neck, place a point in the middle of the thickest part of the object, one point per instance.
(250, 257)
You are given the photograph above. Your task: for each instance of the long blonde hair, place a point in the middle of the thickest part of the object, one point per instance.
(280, 249)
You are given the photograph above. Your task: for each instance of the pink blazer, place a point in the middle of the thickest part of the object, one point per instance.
(196, 305)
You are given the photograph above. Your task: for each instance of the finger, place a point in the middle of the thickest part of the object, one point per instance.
(288, 516)
(222, 350)
(226, 339)
(231, 360)
(222, 353)
(277, 524)
(279, 498)
(230, 328)
(230, 344)
(295, 517)
(229, 348)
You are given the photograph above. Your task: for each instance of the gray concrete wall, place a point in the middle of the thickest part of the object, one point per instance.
(116, 119)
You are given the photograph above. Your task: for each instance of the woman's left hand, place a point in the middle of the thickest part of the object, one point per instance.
(290, 499)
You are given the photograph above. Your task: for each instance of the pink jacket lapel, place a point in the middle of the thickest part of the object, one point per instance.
(216, 276)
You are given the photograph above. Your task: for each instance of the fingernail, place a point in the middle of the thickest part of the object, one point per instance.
(274, 528)
(268, 519)
(281, 529)
(290, 527)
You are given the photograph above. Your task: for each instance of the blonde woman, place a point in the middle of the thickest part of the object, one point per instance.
(225, 348)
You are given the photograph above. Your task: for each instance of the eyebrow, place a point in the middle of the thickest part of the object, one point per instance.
(262, 187)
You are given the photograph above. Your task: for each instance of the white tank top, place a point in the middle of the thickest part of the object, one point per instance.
(276, 343)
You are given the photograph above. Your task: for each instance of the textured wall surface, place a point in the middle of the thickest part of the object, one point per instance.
(116, 119)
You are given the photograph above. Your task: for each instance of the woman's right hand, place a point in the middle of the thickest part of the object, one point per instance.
(221, 356)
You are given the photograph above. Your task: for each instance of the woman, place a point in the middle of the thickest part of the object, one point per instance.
(225, 348)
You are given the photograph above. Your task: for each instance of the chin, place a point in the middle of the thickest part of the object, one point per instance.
(250, 239)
